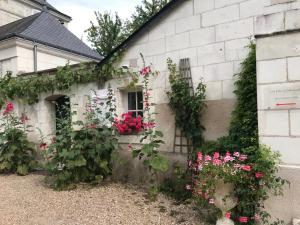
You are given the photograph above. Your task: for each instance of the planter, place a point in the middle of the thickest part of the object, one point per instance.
(225, 201)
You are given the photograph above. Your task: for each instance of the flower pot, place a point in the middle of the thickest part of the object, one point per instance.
(225, 201)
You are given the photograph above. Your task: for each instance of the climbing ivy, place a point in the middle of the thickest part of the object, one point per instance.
(28, 88)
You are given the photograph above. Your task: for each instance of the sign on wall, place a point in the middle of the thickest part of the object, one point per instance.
(282, 96)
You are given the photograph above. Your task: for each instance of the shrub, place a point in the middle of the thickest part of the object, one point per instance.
(82, 155)
(17, 154)
(253, 181)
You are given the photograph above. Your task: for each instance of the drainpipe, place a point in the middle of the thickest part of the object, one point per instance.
(35, 58)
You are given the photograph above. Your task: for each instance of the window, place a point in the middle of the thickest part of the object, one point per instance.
(135, 103)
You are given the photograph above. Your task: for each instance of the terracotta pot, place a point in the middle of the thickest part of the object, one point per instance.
(225, 201)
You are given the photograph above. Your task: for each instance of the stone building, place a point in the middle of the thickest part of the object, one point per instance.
(34, 37)
(213, 35)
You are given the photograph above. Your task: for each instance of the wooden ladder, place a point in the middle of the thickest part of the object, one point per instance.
(181, 143)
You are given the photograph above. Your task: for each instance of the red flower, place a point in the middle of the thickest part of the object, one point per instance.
(259, 175)
(9, 108)
(228, 215)
(43, 146)
(243, 219)
(246, 168)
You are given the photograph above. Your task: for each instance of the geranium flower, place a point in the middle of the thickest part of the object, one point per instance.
(228, 215)
(246, 168)
(243, 157)
(243, 219)
(259, 175)
(199, 156)
(207, 158)
(216, 155)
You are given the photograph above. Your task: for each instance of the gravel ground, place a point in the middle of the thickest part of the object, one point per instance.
(26, 201)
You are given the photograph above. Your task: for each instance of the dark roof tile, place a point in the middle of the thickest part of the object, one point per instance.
(45, 29)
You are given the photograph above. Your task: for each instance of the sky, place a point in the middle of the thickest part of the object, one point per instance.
(82, 12)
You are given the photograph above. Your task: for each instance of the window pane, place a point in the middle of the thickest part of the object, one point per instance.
(131, 101)
(140, 100)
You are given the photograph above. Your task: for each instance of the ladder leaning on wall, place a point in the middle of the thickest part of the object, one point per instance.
(181, 143)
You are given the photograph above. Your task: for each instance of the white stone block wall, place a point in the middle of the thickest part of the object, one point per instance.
(212, 33)
(278, 66)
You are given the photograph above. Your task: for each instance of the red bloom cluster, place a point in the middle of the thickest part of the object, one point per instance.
(128, 124)
(9, 108)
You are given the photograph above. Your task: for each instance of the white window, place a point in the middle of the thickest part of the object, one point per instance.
(135, 103)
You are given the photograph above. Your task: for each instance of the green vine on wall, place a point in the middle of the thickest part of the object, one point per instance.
(28, 88)
(188, 109)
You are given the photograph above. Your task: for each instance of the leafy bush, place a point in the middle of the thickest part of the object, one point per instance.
(175, 186)
(82, 155)
(17, 154)
(188, 109)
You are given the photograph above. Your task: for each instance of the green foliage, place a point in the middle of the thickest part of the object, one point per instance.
(17, 154)
(175, 186)
(28, 88)
(188, 109)
(243, 129)
(143, 13)
(107, 33)
(83, 154)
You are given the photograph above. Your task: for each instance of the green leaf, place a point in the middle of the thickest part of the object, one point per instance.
(159, 163)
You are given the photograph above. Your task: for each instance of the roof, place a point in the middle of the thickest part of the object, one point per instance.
(50, 7)
(145, 26)
(45, 29)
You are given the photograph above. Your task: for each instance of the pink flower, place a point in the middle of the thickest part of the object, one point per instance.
(145, 71)
(188, 187)
(199, 156)
(246, 168)
(217, 162)
(207, 158)
(228, 158)
(216, 155)
(243, 157)
(236, 154)
(228, 154)
(211, 201)
(259, 175)
(243, 219)
(228, 215)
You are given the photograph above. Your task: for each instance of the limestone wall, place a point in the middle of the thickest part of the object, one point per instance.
(278, 83)
(213, 34)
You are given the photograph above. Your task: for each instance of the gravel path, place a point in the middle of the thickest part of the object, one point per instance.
(26, 201)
